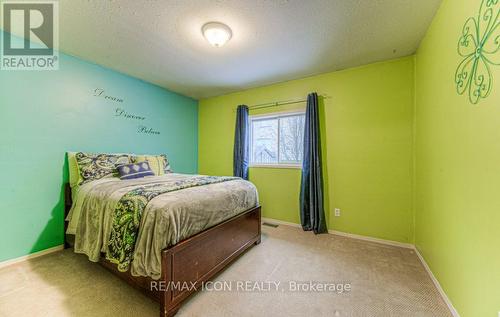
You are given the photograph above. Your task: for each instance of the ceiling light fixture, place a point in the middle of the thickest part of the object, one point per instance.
(216, 33)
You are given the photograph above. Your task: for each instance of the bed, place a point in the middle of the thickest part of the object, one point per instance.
(188, 228)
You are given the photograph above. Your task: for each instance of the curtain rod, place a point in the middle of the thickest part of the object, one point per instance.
(279, 103)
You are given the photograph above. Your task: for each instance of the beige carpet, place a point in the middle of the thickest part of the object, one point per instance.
(385, 281)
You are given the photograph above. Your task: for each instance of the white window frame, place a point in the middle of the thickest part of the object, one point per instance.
(274, 115)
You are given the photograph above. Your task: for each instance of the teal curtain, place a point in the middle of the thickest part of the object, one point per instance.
(312, 214)
(241, 143)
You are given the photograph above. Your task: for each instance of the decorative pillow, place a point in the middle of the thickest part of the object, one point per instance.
(166, 165)
(74, 176)
(159, 163)
(135, 170)
(96, 166)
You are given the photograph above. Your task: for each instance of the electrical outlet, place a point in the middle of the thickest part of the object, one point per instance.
(337, 212)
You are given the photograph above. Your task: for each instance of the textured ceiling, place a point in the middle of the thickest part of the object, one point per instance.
(273, 40)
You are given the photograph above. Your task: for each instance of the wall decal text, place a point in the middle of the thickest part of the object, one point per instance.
(119, 112)
(124, 114)
(99, 92)
(147, 130)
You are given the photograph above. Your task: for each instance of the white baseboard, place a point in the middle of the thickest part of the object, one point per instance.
(280, 222)
(31, 256)
(371, 239)
(445, 298)
(436, 283)
(344, 234)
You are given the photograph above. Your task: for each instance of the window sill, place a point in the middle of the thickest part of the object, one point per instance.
(290, 166)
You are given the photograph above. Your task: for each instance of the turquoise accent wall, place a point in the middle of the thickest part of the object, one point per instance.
(44, 114)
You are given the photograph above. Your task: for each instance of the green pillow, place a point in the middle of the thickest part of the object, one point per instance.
(74, 175)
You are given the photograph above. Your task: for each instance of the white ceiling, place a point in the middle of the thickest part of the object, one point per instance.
(273, 40)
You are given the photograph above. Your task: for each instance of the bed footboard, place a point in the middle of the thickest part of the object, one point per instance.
(197, 259)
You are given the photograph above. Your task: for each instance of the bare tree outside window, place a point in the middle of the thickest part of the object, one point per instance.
(277, 139)
(291, 139)
(265, 141)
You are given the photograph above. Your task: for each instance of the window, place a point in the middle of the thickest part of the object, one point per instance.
(277, 139)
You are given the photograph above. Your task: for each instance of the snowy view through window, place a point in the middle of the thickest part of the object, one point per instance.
(277, 139)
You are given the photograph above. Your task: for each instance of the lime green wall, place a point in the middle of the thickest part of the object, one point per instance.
(367, 135)
(458, 168)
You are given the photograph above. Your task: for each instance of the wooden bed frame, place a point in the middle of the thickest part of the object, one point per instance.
(192, 261)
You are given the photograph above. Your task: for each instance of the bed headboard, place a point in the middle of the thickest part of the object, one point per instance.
(68, 201)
